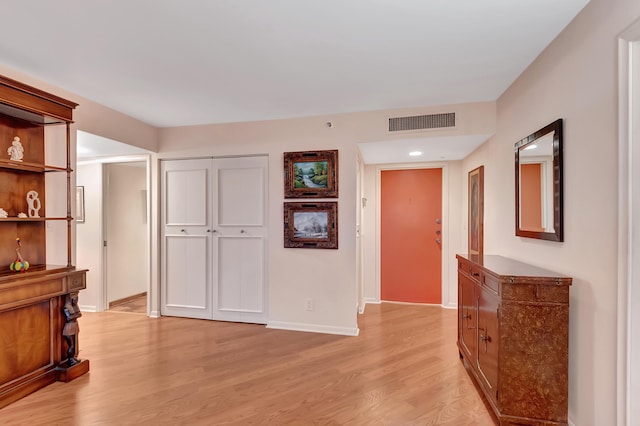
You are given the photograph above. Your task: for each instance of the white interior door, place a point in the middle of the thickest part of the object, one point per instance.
(240, 239)
(186, 238)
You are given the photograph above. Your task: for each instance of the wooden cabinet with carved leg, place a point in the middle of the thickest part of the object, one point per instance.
(38, 341)
(513, 337)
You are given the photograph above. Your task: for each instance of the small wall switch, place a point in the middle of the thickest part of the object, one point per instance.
(309, 305)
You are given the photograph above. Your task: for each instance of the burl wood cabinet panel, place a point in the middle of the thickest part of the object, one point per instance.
(513, 337)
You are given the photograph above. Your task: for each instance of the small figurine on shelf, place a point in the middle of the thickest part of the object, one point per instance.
(34, 203)
(16, 151)
(22, 215)
(20, 265)
(3, 213)
(71, 312)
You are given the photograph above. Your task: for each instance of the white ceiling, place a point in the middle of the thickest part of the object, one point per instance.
(185, 62)
(90, 146)
(432, 149)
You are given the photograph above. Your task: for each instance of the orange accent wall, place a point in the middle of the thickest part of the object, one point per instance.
(411, 259)
(531, 197)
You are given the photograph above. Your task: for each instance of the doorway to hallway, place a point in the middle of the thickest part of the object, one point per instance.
(125, 229)
(115, 177)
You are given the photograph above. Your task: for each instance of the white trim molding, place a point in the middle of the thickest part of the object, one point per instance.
(628, 335)
(313, 328)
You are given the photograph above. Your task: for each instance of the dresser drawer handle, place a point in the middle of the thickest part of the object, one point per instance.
(485, 338)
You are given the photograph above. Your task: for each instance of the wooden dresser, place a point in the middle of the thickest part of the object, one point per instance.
(513, 337)
(38, 299)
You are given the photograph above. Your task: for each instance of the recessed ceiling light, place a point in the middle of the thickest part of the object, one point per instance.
(415, 153)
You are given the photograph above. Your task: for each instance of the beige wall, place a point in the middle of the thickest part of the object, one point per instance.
(575, 78)
(294, 275)
(330, 277)
(89, 236)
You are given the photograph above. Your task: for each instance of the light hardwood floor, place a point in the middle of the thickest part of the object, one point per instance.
(131, 305)
(403, 369)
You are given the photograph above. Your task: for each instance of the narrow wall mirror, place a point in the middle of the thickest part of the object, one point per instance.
(538, 160)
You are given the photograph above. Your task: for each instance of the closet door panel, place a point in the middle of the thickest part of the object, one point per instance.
(240, 272)
(186, 238)
(241, 196)
(240, 239)
(186, 192)
(187, 289)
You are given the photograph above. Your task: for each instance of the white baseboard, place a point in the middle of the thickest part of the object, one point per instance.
(366, 302)
(313, 328)
(154, 314)
(88, 308)
(378, 302)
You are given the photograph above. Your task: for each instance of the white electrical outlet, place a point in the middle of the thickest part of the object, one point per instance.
(309, 305)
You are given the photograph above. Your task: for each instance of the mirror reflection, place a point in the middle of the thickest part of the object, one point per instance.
(536, 185)
(538, 160)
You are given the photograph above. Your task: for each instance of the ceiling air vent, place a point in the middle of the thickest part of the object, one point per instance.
(421, 122)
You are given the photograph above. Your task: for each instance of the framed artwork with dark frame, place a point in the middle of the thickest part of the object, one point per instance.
(311, 225)
(311, 174)
(476, 211)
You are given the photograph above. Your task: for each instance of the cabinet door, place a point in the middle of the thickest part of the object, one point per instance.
(488, 340)
(467, 317)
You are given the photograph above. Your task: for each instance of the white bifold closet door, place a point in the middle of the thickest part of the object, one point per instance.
(214, 238)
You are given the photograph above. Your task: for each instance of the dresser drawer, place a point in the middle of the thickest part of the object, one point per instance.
(473, 271)
(31, 291)
(76, 281)
(535, 292)
(464, 266)
(491, 282)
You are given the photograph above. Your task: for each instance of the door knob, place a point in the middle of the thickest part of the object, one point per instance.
(438, 240)
(438, 221)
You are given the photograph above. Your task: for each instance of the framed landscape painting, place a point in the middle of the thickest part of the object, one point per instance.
(311, 174)
(311, 225)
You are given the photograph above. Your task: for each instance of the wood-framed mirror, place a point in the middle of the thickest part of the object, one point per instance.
(538, 161)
